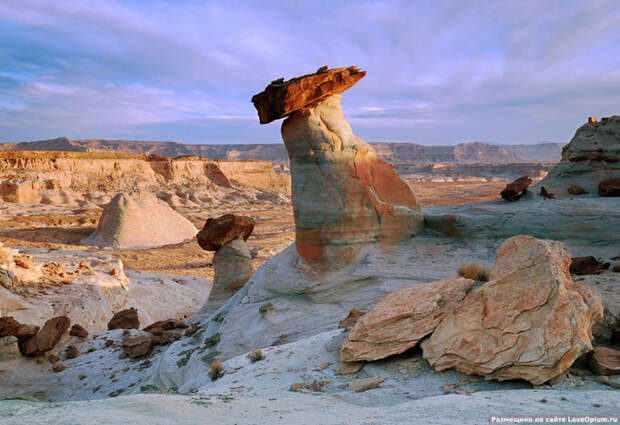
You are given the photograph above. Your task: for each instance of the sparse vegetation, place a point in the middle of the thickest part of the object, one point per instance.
(474, 271)
(255, 355)
(217, 370)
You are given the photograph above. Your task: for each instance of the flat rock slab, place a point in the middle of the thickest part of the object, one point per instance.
(281, 98)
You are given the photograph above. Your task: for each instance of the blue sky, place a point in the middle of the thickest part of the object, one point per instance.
(439, 72)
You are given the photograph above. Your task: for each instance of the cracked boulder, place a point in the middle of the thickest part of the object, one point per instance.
(531, 321)
(402, 318)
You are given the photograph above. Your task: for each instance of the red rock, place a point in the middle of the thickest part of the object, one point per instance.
(604, 361)
(351, 319)
(514, 190)
(11, 327)
(138, 346)
(47, 337)
(219, 231)
(577, 190)
(165, 325)
(281, 98)
(125, 319)
(546, 194)
(609, 187)
(587, 265)
(72, 352)
(78, 330)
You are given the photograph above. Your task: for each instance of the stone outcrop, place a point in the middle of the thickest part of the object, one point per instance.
(125, 319)
(217, 232)
(139, 220)
(351, 319)
(529, 322)
(78, 330)
(47, 338)
(281, 98)
(514, 190)
(401, 319)
(343, 194)
(587, 265)
(591, 157)
(609, 187)
(575, 189)
(604, 361)
(165, 325)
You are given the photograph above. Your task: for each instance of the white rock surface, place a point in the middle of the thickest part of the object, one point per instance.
(139, 220)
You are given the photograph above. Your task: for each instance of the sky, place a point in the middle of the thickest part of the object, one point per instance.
(438, 72)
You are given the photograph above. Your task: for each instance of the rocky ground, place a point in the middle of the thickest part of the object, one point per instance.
(530, 328)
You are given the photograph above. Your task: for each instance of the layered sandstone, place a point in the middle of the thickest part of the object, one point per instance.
(137, 220)
(531, 321)
(343, 194)
(401, 319)
(281, 98)
(591, 157)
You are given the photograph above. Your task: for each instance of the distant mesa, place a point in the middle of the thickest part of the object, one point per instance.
(139, 220)
(281, 98)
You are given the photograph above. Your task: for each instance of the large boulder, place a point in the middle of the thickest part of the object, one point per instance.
(125, 319)
(47, 338)
(343, 194)
(592, 156)
(609, 187)
(11, 327)
(401, 319)
(139, 220)
(514, 190)
(217, 232)
(281, 98)
(531, 321)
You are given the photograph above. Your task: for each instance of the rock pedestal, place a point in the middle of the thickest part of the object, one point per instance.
(343, 194)
(232, 265)
(232, 261)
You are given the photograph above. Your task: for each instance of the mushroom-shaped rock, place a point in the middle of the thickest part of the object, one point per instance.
(217, 232)
(402, 318)
(281, 98)
(343, 194)
(530, 322)
(139, 220)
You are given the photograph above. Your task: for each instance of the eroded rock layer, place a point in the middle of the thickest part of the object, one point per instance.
(343, 194)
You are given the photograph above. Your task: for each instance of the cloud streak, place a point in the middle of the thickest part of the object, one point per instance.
(438, 71)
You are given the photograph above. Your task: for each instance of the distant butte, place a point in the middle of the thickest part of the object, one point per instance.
(281, 98)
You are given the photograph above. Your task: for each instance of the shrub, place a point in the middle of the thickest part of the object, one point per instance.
(255, 355)
(217, 370)
(474, 271)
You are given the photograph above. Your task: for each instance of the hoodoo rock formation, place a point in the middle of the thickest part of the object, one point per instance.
(531, 321)
(139, 220)
(232, 261)
(343, 194)
(592, 156)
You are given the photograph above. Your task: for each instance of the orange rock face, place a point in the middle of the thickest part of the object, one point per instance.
(401, 319)
(530, 322)
(343, 194)
(281, 98)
